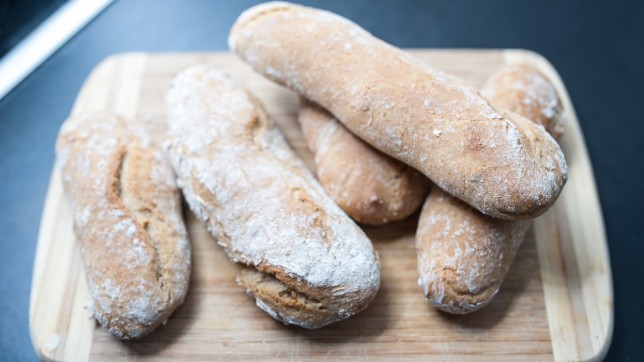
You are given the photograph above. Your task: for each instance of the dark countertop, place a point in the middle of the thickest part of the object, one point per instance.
(597, 47)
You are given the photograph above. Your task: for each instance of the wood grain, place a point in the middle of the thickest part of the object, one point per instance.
(556, 302)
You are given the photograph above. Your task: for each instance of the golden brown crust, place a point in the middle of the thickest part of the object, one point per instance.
(370, 186)
(498, 163)
(262, 204)
(127, 218)
(523, 89)
(463, 255)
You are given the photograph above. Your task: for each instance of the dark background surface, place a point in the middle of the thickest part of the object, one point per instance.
(19, 17)
(597, 47)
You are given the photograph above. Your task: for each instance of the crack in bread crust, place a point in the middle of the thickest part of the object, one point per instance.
(127, 219)
(278, 296)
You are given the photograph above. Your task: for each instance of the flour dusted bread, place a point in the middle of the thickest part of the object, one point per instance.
(127, 218)
(502, 165)
(303, 259)
(523, 89)
(370, 186)
(463, 255)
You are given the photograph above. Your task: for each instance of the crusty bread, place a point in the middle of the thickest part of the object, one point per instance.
(523, 89)
(304, 260)
(463, 255)
(370, 186)
(503, 165)
(127, 218)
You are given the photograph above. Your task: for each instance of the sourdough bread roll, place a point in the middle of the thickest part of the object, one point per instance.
(463, 255)
(303, 259)
(523, 89)
(127, 217)
(502, 165)
(370, 186)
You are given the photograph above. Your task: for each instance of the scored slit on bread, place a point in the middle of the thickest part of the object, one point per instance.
(127, 219)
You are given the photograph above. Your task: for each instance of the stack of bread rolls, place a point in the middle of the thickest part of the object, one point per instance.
(464, 255)
(384, 128)
(368, 107)
(501, 164)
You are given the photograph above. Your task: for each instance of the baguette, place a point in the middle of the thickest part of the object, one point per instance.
(463, 255)
(504, 166)
(370, 186)
(302, 258)
(127, 217)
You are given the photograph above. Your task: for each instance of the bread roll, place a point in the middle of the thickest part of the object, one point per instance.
(370, 186)
(303, 259)
(463, 255)
(127, 218)
(523, 89)
(504, 166)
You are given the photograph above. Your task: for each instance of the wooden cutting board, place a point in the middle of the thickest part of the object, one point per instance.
(556, 302)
